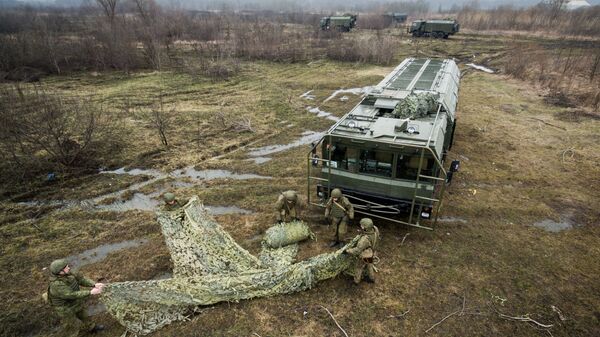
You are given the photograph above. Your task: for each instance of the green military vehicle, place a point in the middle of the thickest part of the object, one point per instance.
(387, 154)
(434, 28)
(342, 23)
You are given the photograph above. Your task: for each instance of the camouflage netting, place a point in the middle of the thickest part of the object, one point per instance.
(416, 106)
(210, 267)
(287, 233)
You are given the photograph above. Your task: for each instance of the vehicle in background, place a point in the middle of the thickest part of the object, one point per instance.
(387, 154)
(434, 28)
(342, 23)
(397, 18)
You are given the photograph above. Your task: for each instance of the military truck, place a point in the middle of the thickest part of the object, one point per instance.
(388, 153)
(342, 23)
(434, 28)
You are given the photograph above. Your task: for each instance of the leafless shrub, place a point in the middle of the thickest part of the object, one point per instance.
(374, 21)
(39, 130)
(378, 50)
(548, 17)
(232, 122)
(159, 118)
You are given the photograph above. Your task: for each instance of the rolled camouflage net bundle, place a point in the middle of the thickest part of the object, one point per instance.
(211, 267)
(287, 233)
(416, 106)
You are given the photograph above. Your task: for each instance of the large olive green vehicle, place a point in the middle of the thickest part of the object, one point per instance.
(387, 154)
(434, 28)
(342, 23)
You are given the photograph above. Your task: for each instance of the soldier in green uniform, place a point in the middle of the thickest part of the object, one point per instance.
(286, 206)
(338, 211)
(65, 296)
(365, 249)
(171, 202)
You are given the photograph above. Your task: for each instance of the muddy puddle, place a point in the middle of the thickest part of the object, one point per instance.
(451, 219)
(101, 252)
(259, 160)
(355, 91)
(480, 67)
(138, 201)
(322, 114)
(307, 138)
(555, 226)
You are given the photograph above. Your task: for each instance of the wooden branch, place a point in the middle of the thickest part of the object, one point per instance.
(543, 121)
(404, 238)
(336, 322)
(526, 318)
(460, 312)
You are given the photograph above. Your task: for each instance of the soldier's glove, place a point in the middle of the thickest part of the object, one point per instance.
(96, 291)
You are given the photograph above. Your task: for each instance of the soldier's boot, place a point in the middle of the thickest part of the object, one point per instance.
(358, 272)
(370, 273)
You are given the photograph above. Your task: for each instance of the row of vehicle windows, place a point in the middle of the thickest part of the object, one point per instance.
(379, 163)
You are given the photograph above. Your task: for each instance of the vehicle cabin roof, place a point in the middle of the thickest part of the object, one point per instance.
(372, 119)
(436, 21)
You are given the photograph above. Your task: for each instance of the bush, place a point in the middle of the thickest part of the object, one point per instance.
(44, 131)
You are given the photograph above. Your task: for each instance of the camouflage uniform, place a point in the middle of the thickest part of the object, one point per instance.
(338, 212)
(65, 296)
(286, 206)
(365, 249)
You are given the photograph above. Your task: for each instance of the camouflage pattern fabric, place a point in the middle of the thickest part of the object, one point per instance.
(210, 267)
(416, 106)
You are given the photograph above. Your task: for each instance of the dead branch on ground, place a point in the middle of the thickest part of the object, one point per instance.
(336, 322)
(460, 312)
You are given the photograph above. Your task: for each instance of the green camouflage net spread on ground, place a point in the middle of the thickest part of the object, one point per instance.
(210, 267)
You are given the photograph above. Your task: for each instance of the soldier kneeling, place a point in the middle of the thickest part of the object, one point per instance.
(365, 249)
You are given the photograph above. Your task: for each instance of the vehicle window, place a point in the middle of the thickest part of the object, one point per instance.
(408, 166)
(376, 162)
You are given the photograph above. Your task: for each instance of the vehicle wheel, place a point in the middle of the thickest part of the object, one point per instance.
(446, 36)
(415, 34)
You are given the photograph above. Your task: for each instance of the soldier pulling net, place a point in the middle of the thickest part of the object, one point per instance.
(210, 267)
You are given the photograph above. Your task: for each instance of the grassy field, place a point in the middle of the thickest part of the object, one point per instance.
(523, 162)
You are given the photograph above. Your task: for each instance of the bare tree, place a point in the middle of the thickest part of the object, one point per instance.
(109, 7)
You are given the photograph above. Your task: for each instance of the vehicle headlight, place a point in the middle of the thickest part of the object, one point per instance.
(411, 129)
(352, 124)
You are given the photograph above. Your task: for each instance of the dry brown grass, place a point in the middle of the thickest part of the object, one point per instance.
(514, 173)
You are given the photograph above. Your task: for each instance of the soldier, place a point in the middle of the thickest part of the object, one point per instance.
(67, 299)
(286, 206)
(171, 202)
(338, 210)
(365, 249)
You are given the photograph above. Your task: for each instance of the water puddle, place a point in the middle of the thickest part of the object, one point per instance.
(139, 201)
(321, 113)
(307, 138)
(480, 67)
(308, 96)
(259, 160)
(451, 219)
(553, 226)
(222, 210)
(355, 91)
(101, 252)
(192, 173)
